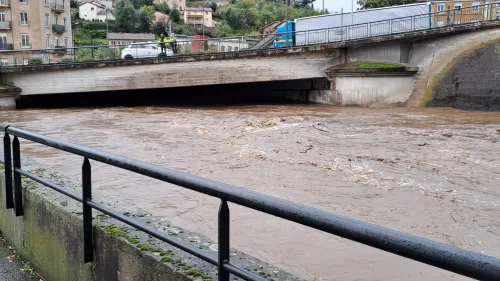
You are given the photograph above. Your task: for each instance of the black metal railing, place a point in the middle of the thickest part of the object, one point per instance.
(58, 28)
(464, 262)
(6, 47)
(58, 8)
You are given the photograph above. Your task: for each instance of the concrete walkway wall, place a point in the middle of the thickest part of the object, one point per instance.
(49, 236)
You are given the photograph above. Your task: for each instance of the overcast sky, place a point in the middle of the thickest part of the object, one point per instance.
(335, 5)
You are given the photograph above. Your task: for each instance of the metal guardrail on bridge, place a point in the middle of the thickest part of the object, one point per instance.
(187, 47)
(464, 262)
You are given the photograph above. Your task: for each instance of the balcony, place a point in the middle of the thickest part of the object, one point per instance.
(6, 47)
(5, 25)
(4, 3)
(56, 8)
(59, 29)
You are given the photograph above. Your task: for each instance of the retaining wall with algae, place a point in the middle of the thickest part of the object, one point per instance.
(50, 237)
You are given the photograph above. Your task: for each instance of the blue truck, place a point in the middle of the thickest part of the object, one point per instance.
(280, 41)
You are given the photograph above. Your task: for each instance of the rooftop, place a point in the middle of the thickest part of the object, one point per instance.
(130, 36)
(93, 3)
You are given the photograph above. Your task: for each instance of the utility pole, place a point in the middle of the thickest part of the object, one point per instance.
(286, 21)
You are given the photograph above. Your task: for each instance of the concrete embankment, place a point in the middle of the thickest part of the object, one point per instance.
(50, 237)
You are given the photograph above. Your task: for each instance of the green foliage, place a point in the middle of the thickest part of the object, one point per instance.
(148, 12)
(35, 61)
(162, 8)
(245, 16)
(371, 4)
(158, 28)
(126, 16)
(100, 53)
(66, 60)
(213, 5)
(146, 17)
(175, 15)
(73, 4)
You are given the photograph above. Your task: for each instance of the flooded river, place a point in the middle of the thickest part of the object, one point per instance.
(428, 172)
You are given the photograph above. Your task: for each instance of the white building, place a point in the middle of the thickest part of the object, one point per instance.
(94, 10)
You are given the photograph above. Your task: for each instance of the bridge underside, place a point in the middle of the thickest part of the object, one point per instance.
(290, 91)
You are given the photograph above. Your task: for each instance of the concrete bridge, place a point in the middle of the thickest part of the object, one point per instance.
(432, 56)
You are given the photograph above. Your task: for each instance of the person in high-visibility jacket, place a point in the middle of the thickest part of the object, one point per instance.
(173, 43)
(163, 43)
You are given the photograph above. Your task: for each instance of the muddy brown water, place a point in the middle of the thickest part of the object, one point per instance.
(428, 172)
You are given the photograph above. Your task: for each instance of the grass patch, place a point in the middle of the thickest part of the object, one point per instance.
(2, 166)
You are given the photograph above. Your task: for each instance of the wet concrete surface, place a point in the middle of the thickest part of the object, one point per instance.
(428, 172)
(11, 269)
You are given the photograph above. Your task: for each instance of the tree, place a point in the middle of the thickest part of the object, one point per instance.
(158, 28)
(125, 16)
(175, 15)
(146, 17)
(213, 5)
(371, 4)
(162, 8)
(73, 4)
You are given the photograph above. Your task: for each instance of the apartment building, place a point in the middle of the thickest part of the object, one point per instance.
(456, 12)
(35, 24)
(198, 16)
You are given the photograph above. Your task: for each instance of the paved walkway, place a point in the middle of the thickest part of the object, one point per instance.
(11, 271)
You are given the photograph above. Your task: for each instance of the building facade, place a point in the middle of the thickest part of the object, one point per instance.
(33, 25)
(198, 16)
(96, 10)
(456, 12)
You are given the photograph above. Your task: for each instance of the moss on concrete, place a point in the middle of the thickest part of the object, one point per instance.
(429, 90)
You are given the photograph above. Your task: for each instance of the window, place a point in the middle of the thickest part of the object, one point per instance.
(475, 7)
(47, 40)
(458, 7)
(56, 19)
(92, 8)
(440, 7)
(236, 48)
(222, 48)
(25, 41)
(24, 18)
(56, 42)
(23, 1)
(47, 20)
(45, 2)
(229, 48)
(4, 62)
(65, 21)
(3, 38)
(2, 16)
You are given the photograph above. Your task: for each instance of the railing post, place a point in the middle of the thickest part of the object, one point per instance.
(224, 244)
(9, 200)
(87, 211)
(327, 35)
(390, 26)
(18, 193)
(369, 29)
(307, 37)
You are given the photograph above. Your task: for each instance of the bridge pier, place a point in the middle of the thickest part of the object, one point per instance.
(8, 96)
